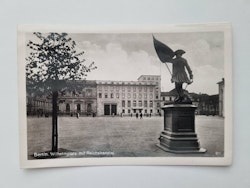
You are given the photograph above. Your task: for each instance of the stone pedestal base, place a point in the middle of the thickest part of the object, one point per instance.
(179, 130)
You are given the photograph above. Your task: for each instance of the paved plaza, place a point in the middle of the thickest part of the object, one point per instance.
(124, 136)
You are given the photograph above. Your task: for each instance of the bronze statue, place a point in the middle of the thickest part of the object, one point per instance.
(179, 64)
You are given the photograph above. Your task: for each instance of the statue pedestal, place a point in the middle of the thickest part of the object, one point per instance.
(179, 130)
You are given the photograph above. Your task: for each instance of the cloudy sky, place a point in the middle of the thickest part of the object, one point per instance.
(127, 56)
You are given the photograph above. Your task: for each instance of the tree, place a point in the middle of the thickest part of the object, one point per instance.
(52, 62)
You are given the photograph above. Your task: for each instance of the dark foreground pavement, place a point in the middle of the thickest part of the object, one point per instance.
(119, 136)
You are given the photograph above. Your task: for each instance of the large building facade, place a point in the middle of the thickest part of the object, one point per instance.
(129, 97)
(105, 98)
(82, 102)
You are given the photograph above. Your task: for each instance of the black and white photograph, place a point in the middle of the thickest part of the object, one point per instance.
(150, 95)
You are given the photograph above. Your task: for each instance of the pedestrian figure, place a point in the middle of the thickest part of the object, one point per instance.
(77, 115)
(140, 115)
(136, 115)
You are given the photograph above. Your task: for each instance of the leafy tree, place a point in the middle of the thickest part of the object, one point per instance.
(54, 65)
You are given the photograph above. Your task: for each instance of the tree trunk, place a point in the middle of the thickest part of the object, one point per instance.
(54, 122)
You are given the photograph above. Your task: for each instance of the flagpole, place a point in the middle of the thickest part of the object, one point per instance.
(168, 69)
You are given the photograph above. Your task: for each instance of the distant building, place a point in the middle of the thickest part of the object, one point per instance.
(221, 86)
(104, 98)
(129, 97)
(37, 106)
(168, 97)
(206, 104)
(83, 102)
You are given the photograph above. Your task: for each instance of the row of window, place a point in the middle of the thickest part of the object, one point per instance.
(129, 88)
(134, 103)
(140, 111)
(38, 103)
(117, 95)
(151, 78)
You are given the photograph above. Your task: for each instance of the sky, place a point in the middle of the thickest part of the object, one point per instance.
(127, 56)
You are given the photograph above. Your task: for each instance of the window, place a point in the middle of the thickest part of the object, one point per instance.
(151, 96)
(134, 103)
(100, 95)
(140, 96)
(123, 103)
(123, 95)
(134, 95)
(145, 89)
(123, 88)
(151, 89)
(100, 88)
(129, 95)
(88, 92)
(106, 88)
(67, 108)
(163, 98)
(134, 88)
(106, 95)
(123, 111)
(170, 98)
(145, 95)
(129, 88)
(145, 103)
(117, 88)
(129, 103)
(111, 95)
(111, 88)
(129, 111)
(158, 104)
(140, 88)
(140, 103)
(117, 95)
(78, 107)
(150, 103)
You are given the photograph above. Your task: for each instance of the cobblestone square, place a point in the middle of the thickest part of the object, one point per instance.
(124, 136)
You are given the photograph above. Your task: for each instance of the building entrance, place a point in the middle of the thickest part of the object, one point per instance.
(89, 108)
(110, 109)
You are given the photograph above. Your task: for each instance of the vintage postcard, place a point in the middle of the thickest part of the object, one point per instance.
(125, 95)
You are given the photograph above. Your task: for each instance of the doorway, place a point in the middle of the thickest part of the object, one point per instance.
(110, 109)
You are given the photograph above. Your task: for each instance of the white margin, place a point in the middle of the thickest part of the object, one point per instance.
(208, 161)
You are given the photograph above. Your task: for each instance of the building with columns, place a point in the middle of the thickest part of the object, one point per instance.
(83, 102)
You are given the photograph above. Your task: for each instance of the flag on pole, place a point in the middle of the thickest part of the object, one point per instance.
(164, 53)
